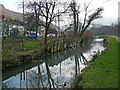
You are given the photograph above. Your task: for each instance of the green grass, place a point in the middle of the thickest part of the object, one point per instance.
(104, 70)
(117, 35)
(29, 45)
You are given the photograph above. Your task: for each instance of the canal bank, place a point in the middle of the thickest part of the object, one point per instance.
(57, 70)
(35, 49)
(104, 70)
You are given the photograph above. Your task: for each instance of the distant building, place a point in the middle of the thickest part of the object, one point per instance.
(70, 28)
(18, 16)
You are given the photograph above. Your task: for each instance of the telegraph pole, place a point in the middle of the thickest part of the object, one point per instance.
(59, 22)
(23, 18)
(23, 26)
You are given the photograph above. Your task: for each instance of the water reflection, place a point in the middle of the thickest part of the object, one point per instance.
(57, 70)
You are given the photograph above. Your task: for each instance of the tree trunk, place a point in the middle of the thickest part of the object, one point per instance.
(36, 30)
(75, 23)
(36, 27)
(45, 39)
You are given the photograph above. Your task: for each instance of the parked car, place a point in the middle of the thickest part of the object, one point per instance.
(51, 35)
(33, 35)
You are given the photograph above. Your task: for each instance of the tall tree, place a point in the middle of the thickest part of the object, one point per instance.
(95, 15)
(35, 13)
(47, 11)
(75, 11)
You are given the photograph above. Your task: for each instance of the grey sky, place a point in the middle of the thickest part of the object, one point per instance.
(110, 7)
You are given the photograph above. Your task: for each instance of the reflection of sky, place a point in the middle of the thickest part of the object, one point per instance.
(67, 73)
(14, 82)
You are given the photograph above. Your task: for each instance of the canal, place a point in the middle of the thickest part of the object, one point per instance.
(55, 71)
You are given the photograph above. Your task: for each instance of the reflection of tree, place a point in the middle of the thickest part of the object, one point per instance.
(79, 58)
(23, 76)
(84, 59)
(20, 79)
(77, 66)
(34, 78)
(40, 75)
(49, 76)
(26, 81)
(42, 78)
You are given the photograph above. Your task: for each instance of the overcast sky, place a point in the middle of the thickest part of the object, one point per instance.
(110, 6)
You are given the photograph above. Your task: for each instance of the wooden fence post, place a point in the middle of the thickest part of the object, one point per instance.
(53, 45)
(63, 43)
(22, 46)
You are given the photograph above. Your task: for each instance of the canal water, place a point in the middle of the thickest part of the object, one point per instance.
(55, 71)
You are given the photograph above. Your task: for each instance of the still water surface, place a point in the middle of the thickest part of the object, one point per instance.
(55, 71)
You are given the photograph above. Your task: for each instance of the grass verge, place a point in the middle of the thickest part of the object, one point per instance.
(117, 35)
(104, 70)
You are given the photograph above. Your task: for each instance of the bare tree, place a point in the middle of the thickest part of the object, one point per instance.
(95, 15)
(74, 8)
(47, 11)
(34, 12)
(75, 11)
